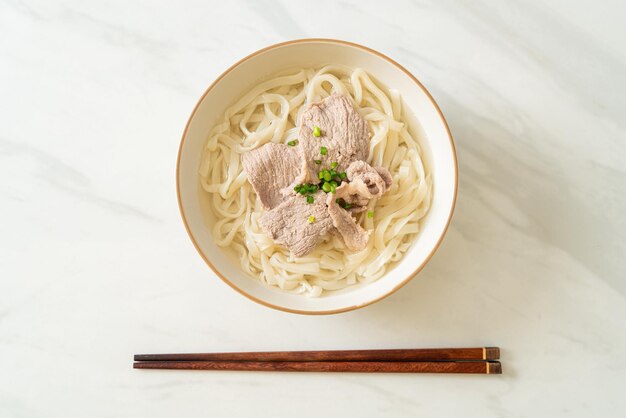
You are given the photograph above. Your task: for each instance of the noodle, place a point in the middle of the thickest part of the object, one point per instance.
(270, 113)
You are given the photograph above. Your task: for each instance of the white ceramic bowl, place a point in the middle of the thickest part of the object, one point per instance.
(438, 148)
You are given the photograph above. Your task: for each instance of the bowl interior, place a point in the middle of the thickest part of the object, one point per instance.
(426, 122)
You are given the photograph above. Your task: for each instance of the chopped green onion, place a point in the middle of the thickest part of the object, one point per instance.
(370, 214)
(327, 175)
(312, 188)
(343, 175)
(326, 187)
(311, 219)
(317, 131)
(320, 175)
(341, 202)
(292, 143)
(333, 183)
(297, 188)
(323, 150)
(348, 206)
(318, 162)
(333, 173)
(309, 199)
(334, 165)
(333, 188)
(303, 189)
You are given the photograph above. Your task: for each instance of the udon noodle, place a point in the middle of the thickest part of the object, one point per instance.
(270, 113)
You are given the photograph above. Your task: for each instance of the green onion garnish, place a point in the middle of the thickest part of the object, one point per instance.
(318, 162)
(326, 187)
(370, 214)
(327, 175)
(317, 131)
(333, 183)
(312, 188)
(297, 188)
(320, 175)
(333, 188)
(292, 143)
(311, 219)
(303, 189)
(323, 150)
(309, 199)
(343, 175)
(334, 165)
(348, 206)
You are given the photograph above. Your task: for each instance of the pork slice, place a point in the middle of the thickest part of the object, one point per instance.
(366, 183)
(288, 223)
(271, 169)
(385, 175)
(344, 133)
(354, 236)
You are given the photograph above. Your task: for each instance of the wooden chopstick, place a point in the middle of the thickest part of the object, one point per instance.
(413, 354)
(476, 367)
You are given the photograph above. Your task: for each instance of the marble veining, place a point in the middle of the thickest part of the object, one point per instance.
(96, 265)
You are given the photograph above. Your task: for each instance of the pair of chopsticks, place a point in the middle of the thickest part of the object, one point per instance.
(480, 360)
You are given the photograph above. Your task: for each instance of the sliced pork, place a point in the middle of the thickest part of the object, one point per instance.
(386, 176)
(298, 225)
(270, 169)
(342, 132)
(354, 236)
(366, 183)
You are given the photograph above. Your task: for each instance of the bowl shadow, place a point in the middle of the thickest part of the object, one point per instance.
(470, 292)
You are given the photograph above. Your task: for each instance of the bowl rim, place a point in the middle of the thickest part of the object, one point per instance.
(411, 275)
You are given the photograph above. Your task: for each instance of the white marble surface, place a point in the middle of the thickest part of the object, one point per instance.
(95, 264)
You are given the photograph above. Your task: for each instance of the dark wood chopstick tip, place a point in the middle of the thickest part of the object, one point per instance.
(494, 367)
(492, 353)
